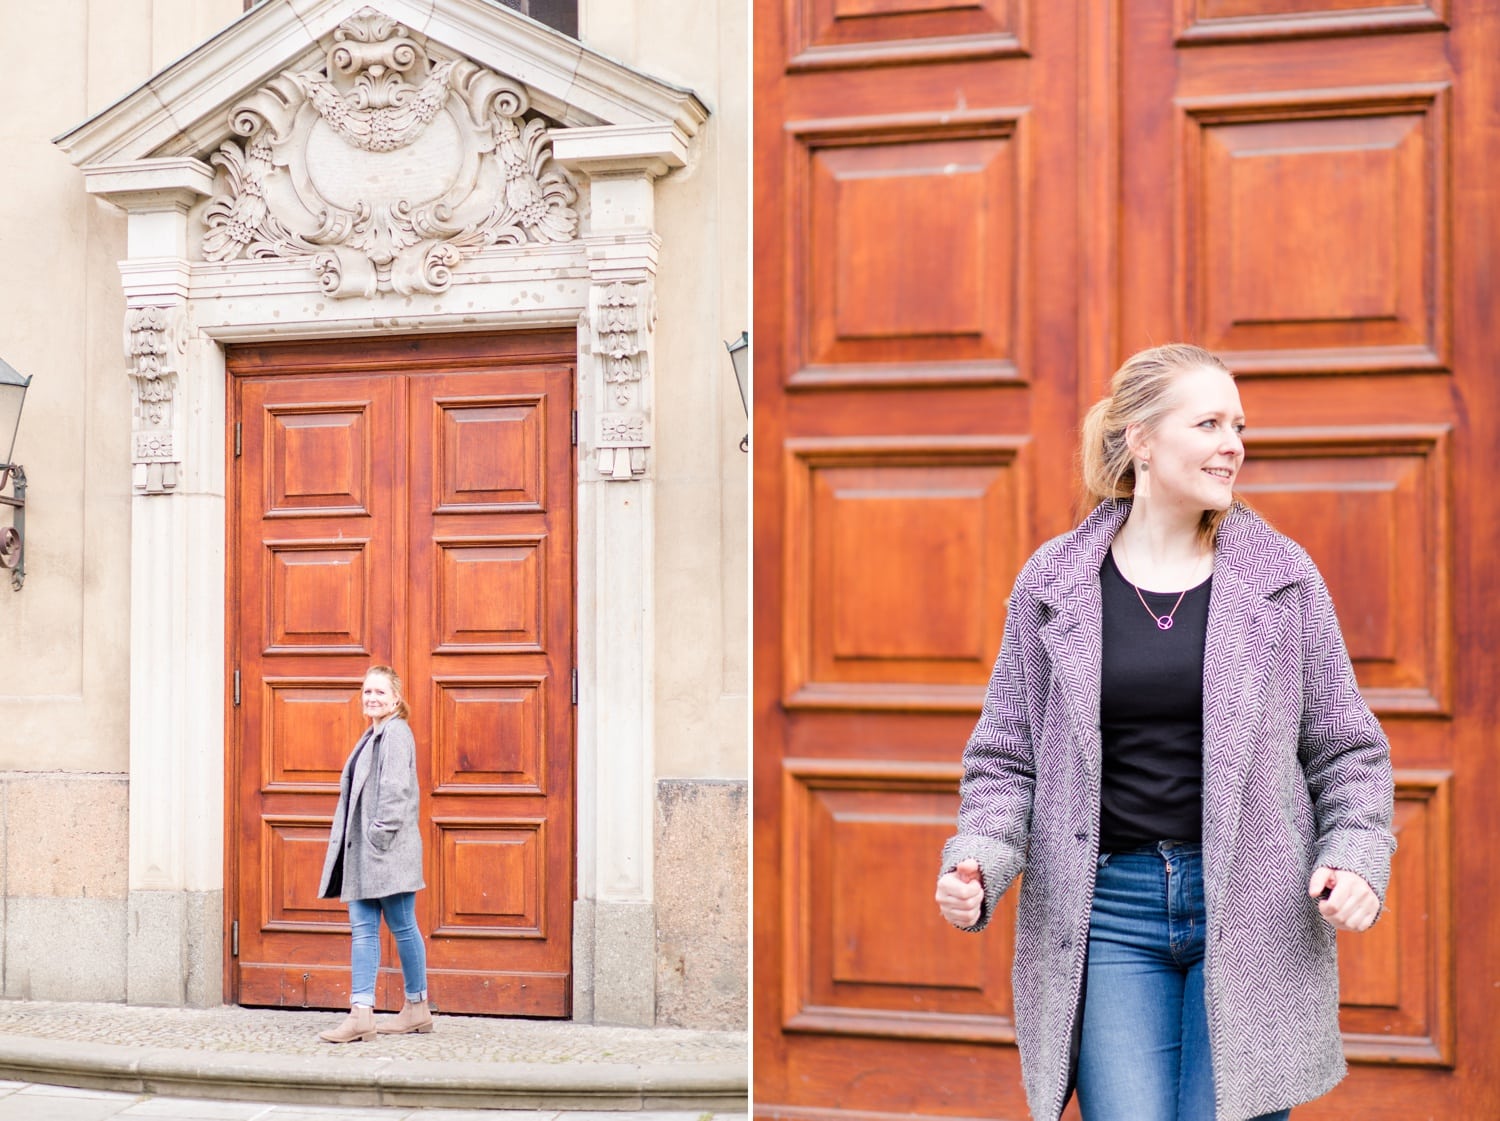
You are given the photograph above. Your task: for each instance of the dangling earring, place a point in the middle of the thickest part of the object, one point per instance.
(1143, 480)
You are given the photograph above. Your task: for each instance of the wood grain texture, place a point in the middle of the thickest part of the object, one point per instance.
(1314, 230)
(840, 34)
(407, 502)
(1302, 184)
(1230, 21)
(1337, 490)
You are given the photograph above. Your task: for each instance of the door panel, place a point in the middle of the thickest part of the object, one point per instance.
(966, 216)
(409, 504)
(491, 519)
(913, 222)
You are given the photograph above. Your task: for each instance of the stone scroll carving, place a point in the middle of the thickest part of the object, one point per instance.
(154, 337)
(621, 320)
(385, 168)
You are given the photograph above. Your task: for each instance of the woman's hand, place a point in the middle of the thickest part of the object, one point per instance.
(1351, 904)
(960, 894)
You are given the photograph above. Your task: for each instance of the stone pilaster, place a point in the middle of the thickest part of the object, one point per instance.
(174, 941)
(617, 495)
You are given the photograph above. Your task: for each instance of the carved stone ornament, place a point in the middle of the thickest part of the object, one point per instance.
(623, 429)
(621, 321)
(386, 167)
(154, 336)
(623, 316)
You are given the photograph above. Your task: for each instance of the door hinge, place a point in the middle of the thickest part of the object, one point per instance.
(236, 688)
(575, 686)
(234, 939)
(575, 428)
(237, 433)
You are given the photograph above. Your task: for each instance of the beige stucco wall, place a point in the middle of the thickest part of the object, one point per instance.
(702, 478)
(64, 695)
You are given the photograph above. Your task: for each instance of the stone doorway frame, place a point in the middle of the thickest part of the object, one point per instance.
(615, 132)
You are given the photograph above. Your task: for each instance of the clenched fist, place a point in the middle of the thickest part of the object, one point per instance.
(960, 894)
(1350, 902)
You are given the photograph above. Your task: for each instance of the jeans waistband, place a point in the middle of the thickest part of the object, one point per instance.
(1180, 848)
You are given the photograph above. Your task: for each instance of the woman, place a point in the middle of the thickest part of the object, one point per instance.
(374, 860)
(1174, 748)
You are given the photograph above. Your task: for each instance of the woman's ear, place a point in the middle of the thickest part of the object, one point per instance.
(1138, 456)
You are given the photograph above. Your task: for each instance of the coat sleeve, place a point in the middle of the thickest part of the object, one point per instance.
(396, 793)
(1344, 753)
(994, 815)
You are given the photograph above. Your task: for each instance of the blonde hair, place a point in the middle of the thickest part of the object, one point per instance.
(1139, 396)
(390, 675)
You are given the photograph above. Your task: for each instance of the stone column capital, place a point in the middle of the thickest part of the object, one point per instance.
(167, 183)
(622, 151)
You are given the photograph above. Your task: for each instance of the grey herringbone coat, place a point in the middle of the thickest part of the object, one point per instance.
(382, 845)
(1296, 774)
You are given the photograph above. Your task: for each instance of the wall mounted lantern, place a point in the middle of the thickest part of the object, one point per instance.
(739, 357)
(12, 537)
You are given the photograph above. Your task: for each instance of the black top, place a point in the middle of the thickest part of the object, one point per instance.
(1151, 715)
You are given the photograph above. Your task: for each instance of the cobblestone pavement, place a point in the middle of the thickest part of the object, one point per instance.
(149, 1062)
(21, 1101)
(282, 1032)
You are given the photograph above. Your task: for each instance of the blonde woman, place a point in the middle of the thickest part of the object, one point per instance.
(1174, 748)
(374, 861)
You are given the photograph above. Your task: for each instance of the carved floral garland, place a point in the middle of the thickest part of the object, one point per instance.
(475, 172)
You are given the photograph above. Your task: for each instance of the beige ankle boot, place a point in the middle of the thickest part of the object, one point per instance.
(413, 1017)
(359, 1024)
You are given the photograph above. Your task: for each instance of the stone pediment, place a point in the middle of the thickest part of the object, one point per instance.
(379, 142)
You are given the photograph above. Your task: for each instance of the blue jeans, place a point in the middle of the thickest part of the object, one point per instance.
(364, 921)
(1144, 1053)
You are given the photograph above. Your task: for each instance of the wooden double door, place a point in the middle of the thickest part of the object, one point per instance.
(968, 212)
(407, 503)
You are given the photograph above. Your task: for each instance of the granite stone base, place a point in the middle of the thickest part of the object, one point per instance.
(175, 948)
(702, 904)
(65, 949)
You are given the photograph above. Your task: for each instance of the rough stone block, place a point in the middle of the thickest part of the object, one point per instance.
(153, 946)
(203, 985)
(175, 948)
(67, 836)
(624, 964)
(65, 949)
(702, 904)
(583, 961)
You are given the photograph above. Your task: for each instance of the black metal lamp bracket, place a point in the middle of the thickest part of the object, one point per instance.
(16, 476)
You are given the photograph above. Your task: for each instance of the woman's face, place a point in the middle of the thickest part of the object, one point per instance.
(1195, 452)
(379, 697)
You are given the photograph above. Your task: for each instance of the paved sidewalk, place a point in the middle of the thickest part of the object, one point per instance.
(272, 1055)
(20, 1101)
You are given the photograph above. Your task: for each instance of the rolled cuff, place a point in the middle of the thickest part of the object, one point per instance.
(1366, 854)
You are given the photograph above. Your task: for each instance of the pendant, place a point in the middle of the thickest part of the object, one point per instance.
(1164, 622)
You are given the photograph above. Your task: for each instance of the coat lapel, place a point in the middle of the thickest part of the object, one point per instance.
(1237, 664)
(1236, 624)
(1073, 635)
(362, 765)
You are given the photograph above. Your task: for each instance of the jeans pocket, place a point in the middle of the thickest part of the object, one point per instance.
(1104, 858)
